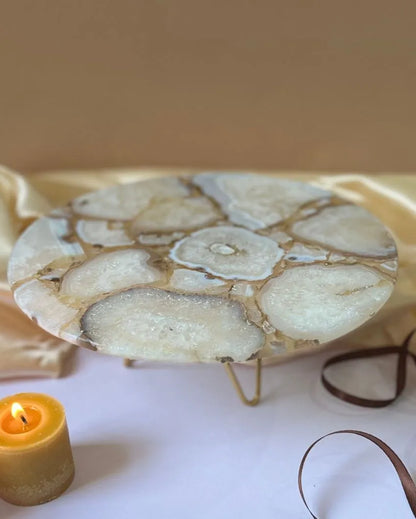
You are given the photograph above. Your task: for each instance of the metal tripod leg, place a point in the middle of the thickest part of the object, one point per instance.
(255, 400)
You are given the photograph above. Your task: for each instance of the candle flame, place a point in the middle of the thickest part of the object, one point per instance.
(17, 410)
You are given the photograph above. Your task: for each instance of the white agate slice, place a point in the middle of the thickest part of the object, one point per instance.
(42, 243)
(257, 201)
(175, 214)
(322, 303)
(98, 232)
(41, 304)
(348, 228)
(146, 323)
(108, 272)
(194, 281)
(125, 201)
(300, 253)
(228, 252)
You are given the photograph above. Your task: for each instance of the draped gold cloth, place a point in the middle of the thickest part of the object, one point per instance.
(391, 197)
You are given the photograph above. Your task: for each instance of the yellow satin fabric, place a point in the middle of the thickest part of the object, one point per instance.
(391, 197)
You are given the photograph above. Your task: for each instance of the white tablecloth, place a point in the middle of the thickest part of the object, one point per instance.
(175, 442)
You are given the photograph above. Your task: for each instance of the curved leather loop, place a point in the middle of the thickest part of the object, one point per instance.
(407, 483)
(402, 352)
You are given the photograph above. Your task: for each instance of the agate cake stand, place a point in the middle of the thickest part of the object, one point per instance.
(213, 267)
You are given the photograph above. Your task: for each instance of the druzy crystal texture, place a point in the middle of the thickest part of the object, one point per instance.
(211, 267)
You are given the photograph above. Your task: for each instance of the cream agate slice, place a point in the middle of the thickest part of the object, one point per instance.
(103, 233)
(108, 272)
(257, 201)
(41, 244)
(125, 201)
(154, 324)
(175, 214)
(42, 304)
(322, 303)
(300, 253)
(347, 228)
(229, 252)
(186, 280)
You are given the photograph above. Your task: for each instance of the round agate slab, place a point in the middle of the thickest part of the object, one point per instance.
(211, 267)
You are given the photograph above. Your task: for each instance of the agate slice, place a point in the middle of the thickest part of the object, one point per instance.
(103, 233)
(42, 244)
(343, 297)
(360, 234)
(160, 325)
(187, 280)
(213, 267)
(126, 201)
(256, 201)
(228, 252)
(107, 273)
(174, 214)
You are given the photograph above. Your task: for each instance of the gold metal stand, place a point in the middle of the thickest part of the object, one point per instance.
(237, 386)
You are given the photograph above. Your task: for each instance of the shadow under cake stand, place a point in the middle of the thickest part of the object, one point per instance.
(211, 267)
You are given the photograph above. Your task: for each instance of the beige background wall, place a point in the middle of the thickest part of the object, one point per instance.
(233, 83)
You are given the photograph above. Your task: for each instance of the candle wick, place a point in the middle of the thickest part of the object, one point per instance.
(23, 419)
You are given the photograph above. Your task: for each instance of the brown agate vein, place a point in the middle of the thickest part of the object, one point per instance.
(204, 268)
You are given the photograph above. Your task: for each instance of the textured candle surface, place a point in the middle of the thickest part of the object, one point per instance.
(36, 462)
(210, 267)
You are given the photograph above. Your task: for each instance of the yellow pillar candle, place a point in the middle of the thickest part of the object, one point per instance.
(36, 463)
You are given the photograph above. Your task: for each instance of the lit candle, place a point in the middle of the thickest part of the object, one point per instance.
(36, 462)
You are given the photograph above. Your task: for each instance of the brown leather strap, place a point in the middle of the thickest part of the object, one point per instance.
(407, 483)
(402, 354)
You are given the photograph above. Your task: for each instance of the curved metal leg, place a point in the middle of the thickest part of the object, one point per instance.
(255, 400)
(237, 386)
